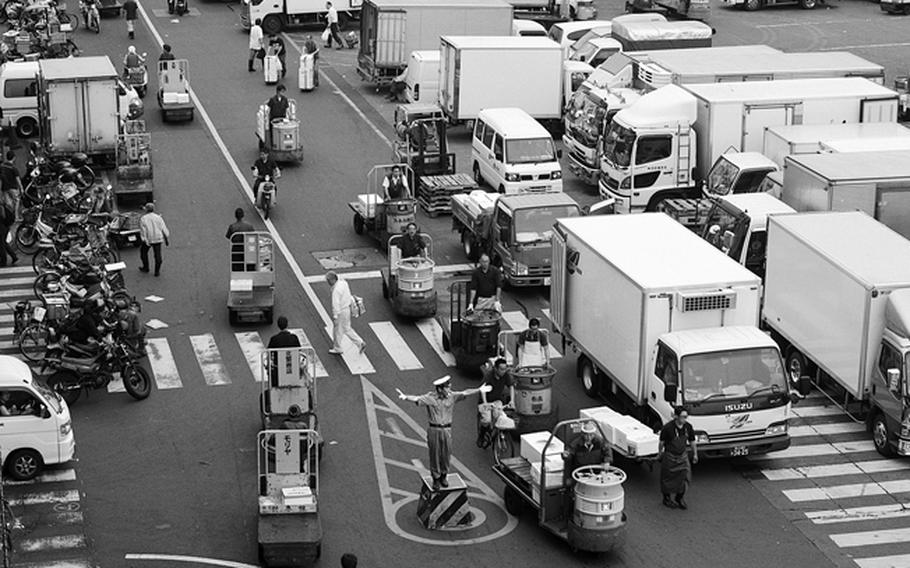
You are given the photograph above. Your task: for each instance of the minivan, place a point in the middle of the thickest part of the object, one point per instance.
(514, 153)
(422, 79)
(39, 431)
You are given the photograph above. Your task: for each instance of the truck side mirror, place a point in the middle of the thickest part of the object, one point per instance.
(43, 412)
(670, 393)
(894, 379)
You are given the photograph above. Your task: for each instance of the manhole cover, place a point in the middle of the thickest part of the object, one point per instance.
(350, 258)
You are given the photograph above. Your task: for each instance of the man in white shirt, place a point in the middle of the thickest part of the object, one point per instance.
(341, 314)
(331, 18)
(255, 42)
(152, 232)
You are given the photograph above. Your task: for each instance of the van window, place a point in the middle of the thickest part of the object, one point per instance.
(478, 130)
(574, 36)
(17, 88)
(651, 148)
(665, 365)
(488, 137)
(530, 151)
(497, 147)
(18, 402)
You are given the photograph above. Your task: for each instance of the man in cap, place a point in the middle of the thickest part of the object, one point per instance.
(586, 448)
(152, 232)
(440, 409)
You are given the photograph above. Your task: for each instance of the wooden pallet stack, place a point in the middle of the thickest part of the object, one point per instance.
(434, 193)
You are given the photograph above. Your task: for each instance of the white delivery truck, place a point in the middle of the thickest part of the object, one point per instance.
(877, 183)
(477, 72)
(422, 80)
(663, 145)
(782, 141)
(661, 318)
(644, 36)
(276, 15)
(837, 300)
(391, 29)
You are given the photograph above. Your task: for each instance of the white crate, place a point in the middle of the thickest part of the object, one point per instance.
(369, 202)
(606, 418)
(642, 442)
(532, 445)
(553, 476)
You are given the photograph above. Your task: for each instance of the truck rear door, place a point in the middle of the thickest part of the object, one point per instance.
(558, 269)
(893, 209)
(391, 27)
(880, 110)
(101, 116)
(448, 76)
(62, 116)
(757, 118)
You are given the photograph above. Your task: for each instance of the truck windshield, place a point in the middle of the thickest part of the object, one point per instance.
(725, 230)
(530, 151)
(618, 142)
(721, 177)
(586, 116)
(732, 374)
(50, 396)
(536, 225)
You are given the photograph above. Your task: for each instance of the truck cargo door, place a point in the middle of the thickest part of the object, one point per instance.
(102, 119)
(757, 118)
(449, 75)
(63, 116)
(854, 197)
(558, 279)
(390, 38)
(892, 209)
(880, 110)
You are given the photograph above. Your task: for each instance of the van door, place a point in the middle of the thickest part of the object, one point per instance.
(20, 98)
(757, 118)
(102, 121)
(24, 427)
(448, 96)
(893, 209)
(498, 165)
(478, 151)
(503, 237)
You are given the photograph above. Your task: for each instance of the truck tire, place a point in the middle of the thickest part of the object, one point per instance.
(751, 5)
(514, 502)
(272, 24)
(26, 127)
(808, 4)
(590, 378)
(881, 436)
(797, 365)
(358, 223)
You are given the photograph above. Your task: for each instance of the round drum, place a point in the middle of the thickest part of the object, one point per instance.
(599, 496)
(533, 390)
(415, 274)
(398, 213)
(9, 38)
(284, 135)
(480, 330)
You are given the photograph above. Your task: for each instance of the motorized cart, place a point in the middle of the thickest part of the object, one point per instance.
(535, 481)
(535, 407)
(470, 336)
(281, 137)
(421, 143)
(408, 282)
(377, 217)
(174, 91)
(134, 163)
(288, 397)
(290, 533)
(251, 297)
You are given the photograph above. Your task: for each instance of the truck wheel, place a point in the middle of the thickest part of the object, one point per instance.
(358, 223)
(590, 379)
(513, 501)
(502, 189)
(272, 24)
(469, 246)
(881, 436)
(797, 366)
(24, 465)
(808, 4)
(26, 127)
(478, 178)
(752, 5)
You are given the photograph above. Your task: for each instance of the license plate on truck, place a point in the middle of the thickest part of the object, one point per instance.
(546, 281)
(739, 451)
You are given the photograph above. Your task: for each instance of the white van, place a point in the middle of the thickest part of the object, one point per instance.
(39, 430)
(422, 79)
(19, 98)
(514, 153)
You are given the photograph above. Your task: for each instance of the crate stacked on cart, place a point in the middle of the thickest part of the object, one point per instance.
(434, 193)
(691, 213)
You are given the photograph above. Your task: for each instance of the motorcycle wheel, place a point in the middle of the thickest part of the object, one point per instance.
(85, 178)
(27, 239)
(137, 382)
(44, 283)
(44, 260)
(66, 18)
(66, 384)
(33, 342)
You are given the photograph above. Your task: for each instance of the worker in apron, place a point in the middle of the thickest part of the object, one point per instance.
(676, 439)
(531, 345)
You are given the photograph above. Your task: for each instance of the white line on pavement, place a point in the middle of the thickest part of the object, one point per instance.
(357, 362)
(188, 560)
(164, 368)
(848, 491)
(890, 536)
(209, 359)
(870, 513)
(818, 450)
(252, 347)
(883, 561)
(812, 411)
(16, 269)
(432, 331)
(45, 497)
(305, 341)
(833, 470)
(865, 46)
(58, 564)
(63, 542)
(395, 346)
(26, 281)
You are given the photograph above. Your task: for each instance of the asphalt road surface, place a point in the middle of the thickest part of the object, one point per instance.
(171, 481)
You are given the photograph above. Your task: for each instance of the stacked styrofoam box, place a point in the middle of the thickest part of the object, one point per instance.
(532, 445)
(622, 431)
(605, 417)
(642, 442)
(553, 474)
(183, 98)
(369, 202)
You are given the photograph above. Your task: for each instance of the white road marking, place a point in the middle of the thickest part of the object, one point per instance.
(833, 470)
(6, 318)
(26, 281)
(253, 348)
(15, 293)
(63, 542)
(45, 497)
(432, 331)
(58, 564)
(825, 22)
(826, 429)
(812, 411)
(369, 274)
(305, 341)
(518, 322)
(818, 450)
(358, 363)
(870, 513)
(865, 538)
(50, 476)
(189, 560)
(395, 345)
(209, 359)
(164, 368)
(884, 561)
(864, 46)
(848, 491)
(6, 330)
(21, 269)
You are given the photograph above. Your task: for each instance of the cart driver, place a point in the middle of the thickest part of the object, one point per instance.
(132, 60)
(264, 166)
(586, 448)
(531, 343)
(395, 185)
(486, 287)
(411, 244)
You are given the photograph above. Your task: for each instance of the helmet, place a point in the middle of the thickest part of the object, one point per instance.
(68, 174)
(79, 159)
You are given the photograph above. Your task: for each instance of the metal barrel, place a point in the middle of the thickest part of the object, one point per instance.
(398, 213)
(415, 274)
(480, 330)
(284, 135)
(599, 497)
(533, 390)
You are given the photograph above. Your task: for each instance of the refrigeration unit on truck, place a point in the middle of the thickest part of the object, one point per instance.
(277, 15)
(837, 300)
(79, 106)
(663, 145)
(391, 29)
(478, 72)
(513, 229)
(877, 183)
(661, 318)
(783, 141)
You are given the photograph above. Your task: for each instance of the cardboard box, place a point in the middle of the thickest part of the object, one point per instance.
(553, 475)
(532, 445)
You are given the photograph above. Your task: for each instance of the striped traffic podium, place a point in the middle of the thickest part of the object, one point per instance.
(446, 508)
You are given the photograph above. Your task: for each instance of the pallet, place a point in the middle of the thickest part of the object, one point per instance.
(689, 212)
(434, 193)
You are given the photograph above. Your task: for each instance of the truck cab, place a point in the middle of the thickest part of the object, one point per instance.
(738, 172)
(890, 391)
(737, 225)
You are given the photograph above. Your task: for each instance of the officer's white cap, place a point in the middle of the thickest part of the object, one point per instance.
(442, 381)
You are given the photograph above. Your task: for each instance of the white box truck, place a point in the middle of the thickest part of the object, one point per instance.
(391, 29)
(477, 72)
(837, 300)
(277, 15)
(663, 145)
(877, 183)
(660, 318)
(782, 141)
(79, 106)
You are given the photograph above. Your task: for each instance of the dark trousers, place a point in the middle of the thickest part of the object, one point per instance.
(4, 230)
(333, 28)
(144, 256)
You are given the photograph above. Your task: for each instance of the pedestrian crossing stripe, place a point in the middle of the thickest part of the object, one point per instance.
(837, 469)
(874, 512)
(164, 368)
(808, 450)
(305, 342)
(61, 542)
(864, 538)
(209, 359)
(432, 332)
(846, 491)
(252, 347)
(357, 362)
(395, 346)
(884, 561)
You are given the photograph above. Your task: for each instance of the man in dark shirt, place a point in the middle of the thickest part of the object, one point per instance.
(411, 244)
(498, 376)
(130, 10)
(677, 438)
(264, 166)
(586, 448)
(283, 338)
(166, 55)
(486, 286)
(278, 104)
(239, 225)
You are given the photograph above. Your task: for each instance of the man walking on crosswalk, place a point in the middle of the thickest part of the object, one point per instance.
(341, 314)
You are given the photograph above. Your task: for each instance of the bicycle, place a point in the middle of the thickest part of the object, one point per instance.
(493, 435)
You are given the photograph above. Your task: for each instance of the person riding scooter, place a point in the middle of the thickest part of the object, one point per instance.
(87, 330)
(264, 166)
(132, 62)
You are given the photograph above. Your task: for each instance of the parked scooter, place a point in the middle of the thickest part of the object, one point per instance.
(178, 7)
(90, 15)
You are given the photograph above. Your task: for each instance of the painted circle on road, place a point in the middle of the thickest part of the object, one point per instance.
(491, 522)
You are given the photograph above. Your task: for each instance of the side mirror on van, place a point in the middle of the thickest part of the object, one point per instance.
(670, 393)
